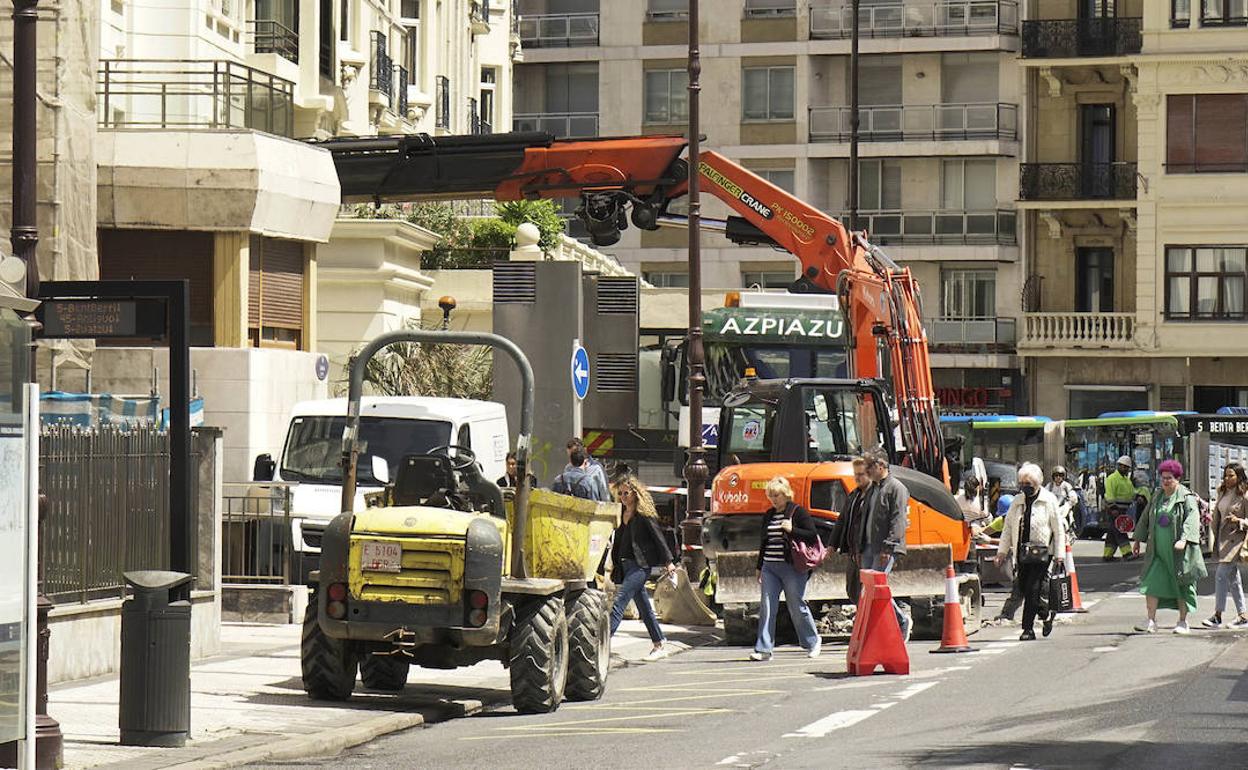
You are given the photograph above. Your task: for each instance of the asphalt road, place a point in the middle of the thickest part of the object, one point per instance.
(1094, 694)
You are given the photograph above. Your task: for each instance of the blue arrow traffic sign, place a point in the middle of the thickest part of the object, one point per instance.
(580, 371)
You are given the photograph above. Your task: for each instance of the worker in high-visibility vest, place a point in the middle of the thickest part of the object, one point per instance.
(1119, 495)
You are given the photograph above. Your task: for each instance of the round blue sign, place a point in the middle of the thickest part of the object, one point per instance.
(580, 372)
(322, 367)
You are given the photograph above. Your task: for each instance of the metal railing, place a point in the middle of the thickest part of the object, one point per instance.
(256, 535)
(400, 90)
(381, 68)
(770, 9)
(559, 30)
(557, 123)
(972, 331)
(988, 227)
(107, 509)
(953, 18)
(474, 118)
(442, 101)
(1078, 330)
(1076, 181)
(268, 36)
(893, 123)
(1072, 38)
(180, 93)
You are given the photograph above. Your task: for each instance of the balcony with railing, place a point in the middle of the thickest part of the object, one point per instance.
(1076, 38)
(268, 36)
(381, 67)
(559, 30)
(400, 90)
(442, 102)
(1078, 330)
(558, 123)
(928, 122)
(479, 17)
(1076, 181)
(991, 227)
(972, 332)
(474, 117)
(192, 94)
(834, 19)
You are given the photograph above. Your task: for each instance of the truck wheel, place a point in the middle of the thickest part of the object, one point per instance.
(589, 645)
(384, 672)
(539, 656)
(328, 664)
(740, 626)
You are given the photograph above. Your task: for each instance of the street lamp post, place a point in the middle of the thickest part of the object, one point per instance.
(695, 466)
(853, 119)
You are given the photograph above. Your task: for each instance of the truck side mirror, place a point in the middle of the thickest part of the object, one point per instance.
(264, 468)
(381, 469)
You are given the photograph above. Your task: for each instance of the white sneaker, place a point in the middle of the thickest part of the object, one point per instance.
(760, 656)
(655, 654)
(1182, 628)
(814, 651)
(1147, 627)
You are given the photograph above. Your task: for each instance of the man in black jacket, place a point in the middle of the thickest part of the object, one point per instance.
(851, 527)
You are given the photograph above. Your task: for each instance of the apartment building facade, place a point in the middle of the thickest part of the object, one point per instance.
(1134, 190)
(940, 94)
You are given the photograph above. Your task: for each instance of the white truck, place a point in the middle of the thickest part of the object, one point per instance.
(391, 427)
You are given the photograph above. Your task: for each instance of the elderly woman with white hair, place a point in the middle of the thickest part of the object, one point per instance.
(1034, 534)
(783, 523)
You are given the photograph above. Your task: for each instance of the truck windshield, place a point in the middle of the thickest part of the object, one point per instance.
(314, 445)
(726, 363)
(840, 423)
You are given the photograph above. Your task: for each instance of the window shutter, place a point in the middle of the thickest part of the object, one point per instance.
(1220, 140)
(281, 289)
(1173, 398)
(160, 255)
(253, 283)
(1180, 133)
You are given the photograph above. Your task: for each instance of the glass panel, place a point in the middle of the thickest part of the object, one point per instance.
(1233, 260)
(869, 184)
(1233, 295)
(781, 98)
(949, 224)
(678, 90)
(981, 185)
(1206, 296)
(1207, 260)
(891, 186)
(920, 224)
(951, 185)
(780, 177)
(981, 224)
(754, 94)
(1179, 260)
(1179, 300)
(656, 97)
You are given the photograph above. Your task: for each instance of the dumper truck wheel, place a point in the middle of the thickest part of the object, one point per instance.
(539, 656)
(384, 672)
(589, 645)
(328, 664)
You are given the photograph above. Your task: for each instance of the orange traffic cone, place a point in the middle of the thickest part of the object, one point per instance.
(1075, 601)
(953, 639)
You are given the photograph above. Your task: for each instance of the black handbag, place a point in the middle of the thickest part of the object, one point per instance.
(1033, 554)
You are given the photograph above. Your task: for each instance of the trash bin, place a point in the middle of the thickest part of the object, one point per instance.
(155, 701)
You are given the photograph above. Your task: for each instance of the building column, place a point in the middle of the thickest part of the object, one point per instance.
(309, 338)
(231, 261)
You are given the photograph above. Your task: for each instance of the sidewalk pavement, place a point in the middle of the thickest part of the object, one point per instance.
(248, 704)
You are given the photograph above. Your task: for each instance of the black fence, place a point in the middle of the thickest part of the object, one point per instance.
(442, 102)
(107, 508)
(381, 68)
(1073, 38)
(268, 36)
(256, 535)
(1077, 181)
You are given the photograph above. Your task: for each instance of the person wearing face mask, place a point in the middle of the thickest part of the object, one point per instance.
(1171, 527)
(1035, 535)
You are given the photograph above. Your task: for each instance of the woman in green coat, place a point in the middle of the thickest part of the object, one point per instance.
(1171, 527)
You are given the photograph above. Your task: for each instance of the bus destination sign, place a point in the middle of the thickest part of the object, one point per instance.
(102, 318)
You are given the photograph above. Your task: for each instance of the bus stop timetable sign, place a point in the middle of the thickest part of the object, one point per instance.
(102, 318)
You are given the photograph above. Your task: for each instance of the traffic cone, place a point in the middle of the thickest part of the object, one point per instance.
(953, 639)
(1075, 601)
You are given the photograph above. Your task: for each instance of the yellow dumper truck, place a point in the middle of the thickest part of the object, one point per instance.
(443, 571)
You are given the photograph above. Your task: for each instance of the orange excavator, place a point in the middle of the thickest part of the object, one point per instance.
(636, 179)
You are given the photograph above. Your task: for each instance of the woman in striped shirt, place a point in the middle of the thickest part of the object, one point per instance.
(783, 523)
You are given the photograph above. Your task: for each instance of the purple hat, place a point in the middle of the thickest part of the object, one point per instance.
(1173, 467)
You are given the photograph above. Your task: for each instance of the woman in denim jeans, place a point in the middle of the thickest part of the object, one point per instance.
(783, 523)
(1230, 528)
(637, 548)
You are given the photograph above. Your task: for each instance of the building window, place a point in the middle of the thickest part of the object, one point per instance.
(968, 294)
(667, 279)
(442, 103)
(780, 177)
(410, 9)
(1206, 133)
(1205, 282)
(344, 25)
(968, 185)
(411, 50)
(1181, 13)
(667, 10)
(275, 293)
(879, 185)
(770, 8)
(767, 279)
(667, 96)
(767, 93)
(489, 82)
(1223, 13)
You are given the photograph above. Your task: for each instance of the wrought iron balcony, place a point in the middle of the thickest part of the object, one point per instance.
(559, 30)
(182, 94)
(474, 117)
(1078, 330)
(442, 101)
(928, 122)
(400, 90)
(952, 18)
(936, 227)
(1073, 38)
(993, 332)
(1076, 181)
(269, 36)
(558, 123)
(381, 68)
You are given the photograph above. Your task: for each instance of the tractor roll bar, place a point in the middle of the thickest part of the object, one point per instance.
(350, 434)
